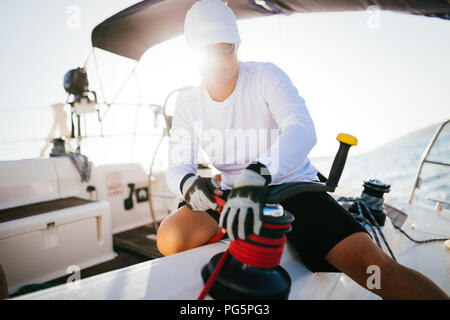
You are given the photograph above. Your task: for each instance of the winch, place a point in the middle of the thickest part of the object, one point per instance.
(250, 269)
(372, 196)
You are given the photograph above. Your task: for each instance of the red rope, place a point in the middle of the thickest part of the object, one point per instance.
(221, 204)
(217, 237)
(257, 255)
(213, 276)
(276, 226)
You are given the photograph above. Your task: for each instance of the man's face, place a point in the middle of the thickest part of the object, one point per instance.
(218, 63)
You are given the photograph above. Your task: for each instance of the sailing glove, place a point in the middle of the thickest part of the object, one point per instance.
(246, 202)
(197, 192)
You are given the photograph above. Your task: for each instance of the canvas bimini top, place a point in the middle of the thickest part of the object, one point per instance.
(134, 30)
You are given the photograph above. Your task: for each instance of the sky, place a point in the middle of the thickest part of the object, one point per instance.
(376, 79)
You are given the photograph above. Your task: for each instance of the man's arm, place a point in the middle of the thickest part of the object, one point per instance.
(298, 135)
(183, 148)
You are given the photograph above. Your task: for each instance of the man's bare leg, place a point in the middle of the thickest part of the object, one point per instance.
(357, 252)
(185, 229)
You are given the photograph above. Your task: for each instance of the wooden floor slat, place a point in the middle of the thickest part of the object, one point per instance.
(138, 242)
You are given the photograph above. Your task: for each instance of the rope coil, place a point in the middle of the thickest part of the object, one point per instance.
(258, 255)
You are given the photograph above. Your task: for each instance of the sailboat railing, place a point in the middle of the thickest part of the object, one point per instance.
(424, 160)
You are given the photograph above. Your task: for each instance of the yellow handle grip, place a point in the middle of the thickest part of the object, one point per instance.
(347, 139)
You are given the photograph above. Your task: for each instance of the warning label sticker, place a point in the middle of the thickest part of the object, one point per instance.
(114, 183)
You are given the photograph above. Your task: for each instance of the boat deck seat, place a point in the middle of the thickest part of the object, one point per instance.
(40, 208)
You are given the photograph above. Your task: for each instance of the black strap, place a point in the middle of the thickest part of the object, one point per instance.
(261, 169)
(184, 180)
(322, 178)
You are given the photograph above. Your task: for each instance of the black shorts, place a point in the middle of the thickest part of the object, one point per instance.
(320, 223)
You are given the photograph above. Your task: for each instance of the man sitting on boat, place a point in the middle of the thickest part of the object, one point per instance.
(255, 99)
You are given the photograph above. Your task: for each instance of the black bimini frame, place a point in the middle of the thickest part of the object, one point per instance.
(134, 30)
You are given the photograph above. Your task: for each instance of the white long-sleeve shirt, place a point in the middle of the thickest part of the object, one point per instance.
(264, 119)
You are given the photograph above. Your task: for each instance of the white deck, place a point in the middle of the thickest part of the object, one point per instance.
(178, 276)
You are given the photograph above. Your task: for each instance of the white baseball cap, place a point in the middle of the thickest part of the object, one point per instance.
(209, 22)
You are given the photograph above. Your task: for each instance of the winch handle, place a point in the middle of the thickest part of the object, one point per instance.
(345, 142)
